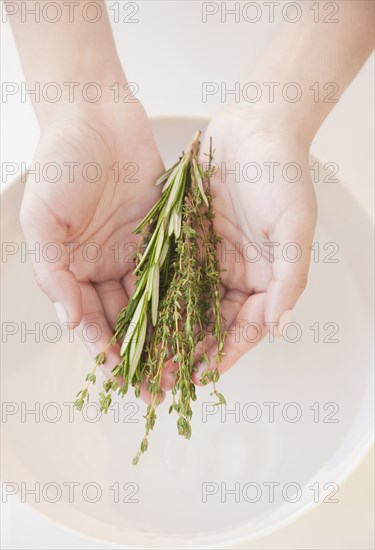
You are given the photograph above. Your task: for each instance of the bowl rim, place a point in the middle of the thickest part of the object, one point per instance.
(351, 463)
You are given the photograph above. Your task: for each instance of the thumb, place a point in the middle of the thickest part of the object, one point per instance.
(46, 234)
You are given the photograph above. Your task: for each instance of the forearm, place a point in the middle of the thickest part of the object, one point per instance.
(312, 55)
(71, 50)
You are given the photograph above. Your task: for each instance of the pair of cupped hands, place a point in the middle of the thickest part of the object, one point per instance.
(89, 283)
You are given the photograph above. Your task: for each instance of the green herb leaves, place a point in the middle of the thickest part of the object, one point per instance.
(176, 301)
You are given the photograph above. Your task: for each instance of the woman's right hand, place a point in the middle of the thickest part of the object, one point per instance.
(90, 219)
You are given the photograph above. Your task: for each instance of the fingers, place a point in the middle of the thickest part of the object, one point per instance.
(231, 303)
(46, 234)
(244, 333)
(95, 330)
(113, 298)
(282, 295)
(129, 282)
(290, 269)
(62, 288)
(148, 398)
(168, 375)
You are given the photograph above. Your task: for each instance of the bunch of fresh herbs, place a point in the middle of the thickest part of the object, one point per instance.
(176, 297)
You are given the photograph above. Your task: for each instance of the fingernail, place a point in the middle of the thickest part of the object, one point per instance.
(285, 318)
(62, 314)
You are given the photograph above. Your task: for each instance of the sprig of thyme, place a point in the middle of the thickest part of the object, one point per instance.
(177, 291)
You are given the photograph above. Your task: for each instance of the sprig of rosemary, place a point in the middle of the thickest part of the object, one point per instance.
(177, 291)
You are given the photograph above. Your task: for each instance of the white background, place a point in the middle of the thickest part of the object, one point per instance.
(169, 53)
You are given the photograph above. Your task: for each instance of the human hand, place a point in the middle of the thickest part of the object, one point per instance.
(252, 210)
(74, 212)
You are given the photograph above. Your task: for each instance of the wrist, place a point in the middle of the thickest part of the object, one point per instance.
(85, 94)
(299, 125)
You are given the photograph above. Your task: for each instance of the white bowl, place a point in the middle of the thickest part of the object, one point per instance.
(314, 454)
